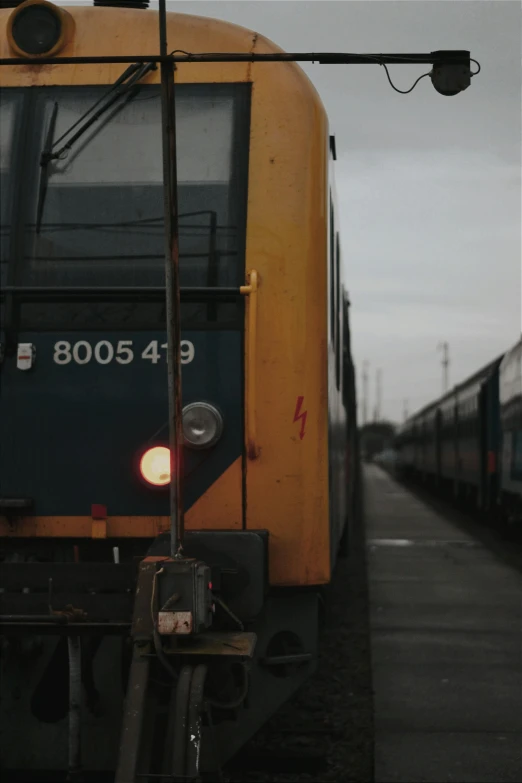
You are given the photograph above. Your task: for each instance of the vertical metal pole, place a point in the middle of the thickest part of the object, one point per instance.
(365, 392)
(170, 195)
(378, 395)
(445, 365)
(75, 699)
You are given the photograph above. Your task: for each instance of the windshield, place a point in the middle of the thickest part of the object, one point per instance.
(102, 218)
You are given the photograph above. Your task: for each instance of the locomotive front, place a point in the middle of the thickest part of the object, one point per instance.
(90, 606)
(83, 258)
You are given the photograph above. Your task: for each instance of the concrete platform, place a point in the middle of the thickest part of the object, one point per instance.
(446, 626)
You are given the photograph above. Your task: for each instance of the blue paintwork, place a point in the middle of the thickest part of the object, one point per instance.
(72, 434)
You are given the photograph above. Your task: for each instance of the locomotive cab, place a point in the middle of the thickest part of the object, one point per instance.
(97, 618)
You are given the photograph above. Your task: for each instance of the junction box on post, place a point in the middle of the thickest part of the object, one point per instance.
(184, 597)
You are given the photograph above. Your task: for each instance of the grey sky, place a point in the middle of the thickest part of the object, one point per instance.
(428, 186)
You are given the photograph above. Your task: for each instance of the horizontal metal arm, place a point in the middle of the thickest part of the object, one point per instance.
(56, 619)
(324, 58)
(189, 293)
(34, 624)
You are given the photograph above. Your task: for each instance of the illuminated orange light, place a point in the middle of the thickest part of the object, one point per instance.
(155, 466)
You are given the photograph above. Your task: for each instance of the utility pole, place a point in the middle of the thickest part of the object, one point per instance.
(405, 410)
(445, 365)
(365, 392)
(378, 394)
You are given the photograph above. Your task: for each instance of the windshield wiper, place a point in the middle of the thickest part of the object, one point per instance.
(124, 76)
(44, 177)
(125, 86)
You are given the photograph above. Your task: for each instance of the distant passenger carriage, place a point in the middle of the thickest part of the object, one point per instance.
(469, 442)
(510, 399)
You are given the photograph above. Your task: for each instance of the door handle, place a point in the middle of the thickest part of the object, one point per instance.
(250, 290)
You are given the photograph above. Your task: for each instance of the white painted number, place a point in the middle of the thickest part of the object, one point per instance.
(82, 352)
(108, 350)
(86, 352)
(124, 349)
(62, 352)
(151, 352)
(186, 350)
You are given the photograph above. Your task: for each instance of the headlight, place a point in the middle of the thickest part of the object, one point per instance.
(155, 466)
(37, 28)
(202, 428)
(202, 425)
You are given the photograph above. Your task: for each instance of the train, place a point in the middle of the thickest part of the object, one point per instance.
(117, 661)
(468, 443)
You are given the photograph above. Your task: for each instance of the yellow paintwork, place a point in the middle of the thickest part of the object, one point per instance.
(218, 509)
(99, 528)
(287, 481)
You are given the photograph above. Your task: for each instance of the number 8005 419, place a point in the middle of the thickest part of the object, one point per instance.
(104, 352)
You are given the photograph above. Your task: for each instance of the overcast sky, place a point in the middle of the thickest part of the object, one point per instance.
(428, 186)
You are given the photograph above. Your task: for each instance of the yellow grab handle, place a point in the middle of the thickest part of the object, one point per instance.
(250, 290)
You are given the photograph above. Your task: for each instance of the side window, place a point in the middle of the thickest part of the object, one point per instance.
(337, 311)
(516, 456)
(332, 273)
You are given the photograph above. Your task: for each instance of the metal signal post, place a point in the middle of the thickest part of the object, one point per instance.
(172, 289)
(365, 391)
(445, 365)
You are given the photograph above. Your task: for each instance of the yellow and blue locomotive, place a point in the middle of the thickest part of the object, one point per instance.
(268, 392)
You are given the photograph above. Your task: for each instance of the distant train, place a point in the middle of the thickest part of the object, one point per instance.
(469, 442)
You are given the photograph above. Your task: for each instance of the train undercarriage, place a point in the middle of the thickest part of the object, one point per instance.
(128, 665)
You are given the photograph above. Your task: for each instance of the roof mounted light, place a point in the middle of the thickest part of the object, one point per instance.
(451, 74)
(38, 28)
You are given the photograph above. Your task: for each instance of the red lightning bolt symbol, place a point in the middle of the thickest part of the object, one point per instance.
(298, 415)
